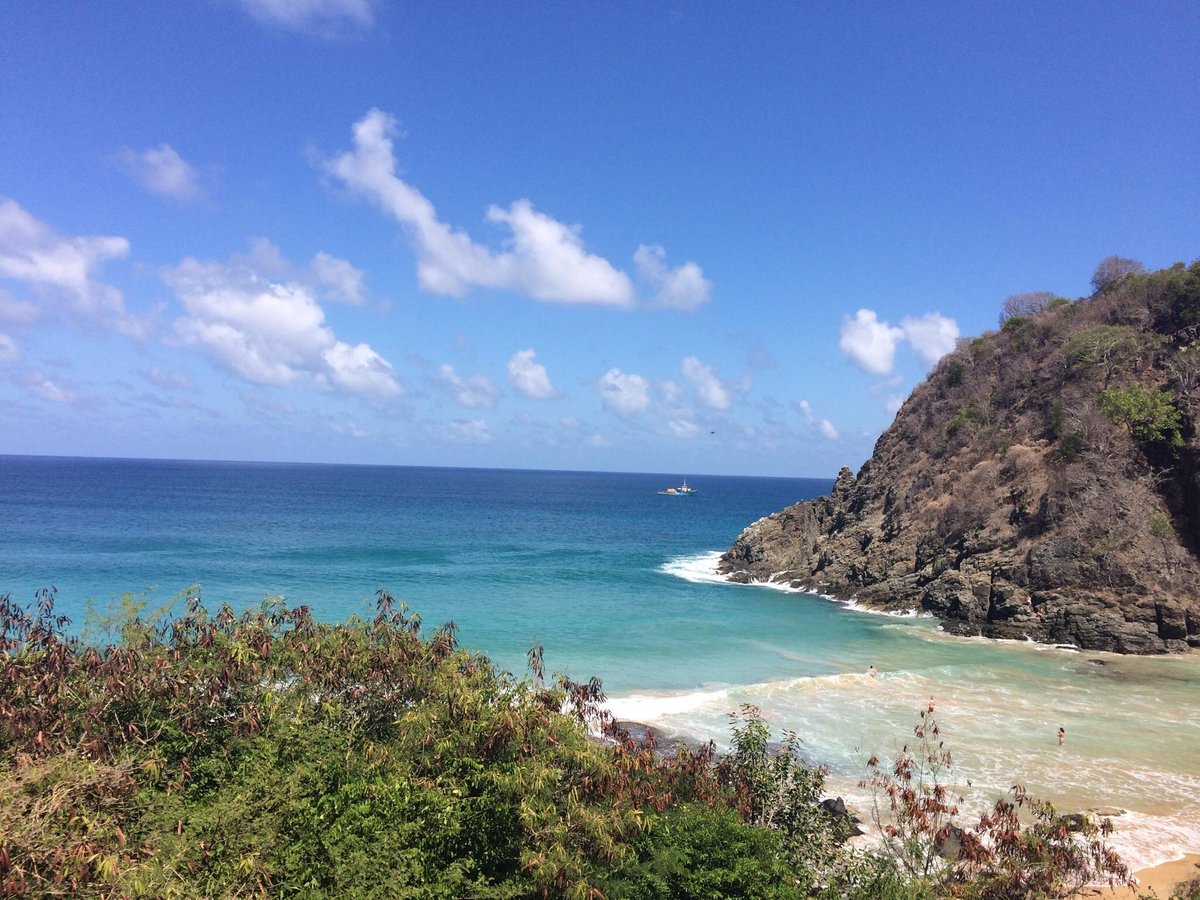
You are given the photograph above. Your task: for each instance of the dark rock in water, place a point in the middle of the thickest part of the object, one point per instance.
(1006, 501)
(1098, 662)
(834, 806)
(1075, 822)
(949, 842)
(845, 822)
(655, 738)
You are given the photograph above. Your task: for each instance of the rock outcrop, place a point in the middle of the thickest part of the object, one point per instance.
(1043, 482)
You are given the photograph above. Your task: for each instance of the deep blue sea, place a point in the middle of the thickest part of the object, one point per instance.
(617, 581)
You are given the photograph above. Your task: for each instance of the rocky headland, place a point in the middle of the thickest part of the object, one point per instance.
(1043, 482)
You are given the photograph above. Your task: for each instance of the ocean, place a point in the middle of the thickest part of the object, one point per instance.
(618, 581)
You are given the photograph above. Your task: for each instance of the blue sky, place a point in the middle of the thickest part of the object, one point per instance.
(692, 238)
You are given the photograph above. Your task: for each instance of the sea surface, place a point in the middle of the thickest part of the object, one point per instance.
(617, 581)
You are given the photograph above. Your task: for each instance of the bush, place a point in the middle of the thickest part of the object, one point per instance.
(1000, 856)
(1151, 417)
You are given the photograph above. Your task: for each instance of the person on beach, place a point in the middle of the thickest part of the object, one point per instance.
(871, 671)
(1062, 735)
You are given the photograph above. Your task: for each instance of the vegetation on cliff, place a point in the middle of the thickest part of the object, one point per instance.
(1042, 482)
(269, 754)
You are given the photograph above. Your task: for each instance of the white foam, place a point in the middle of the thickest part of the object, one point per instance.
(651, 707)
(698, 569)
(702, 568)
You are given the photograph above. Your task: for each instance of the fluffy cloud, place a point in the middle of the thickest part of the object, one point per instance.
(334, 278)
(529, 377)
(683, 288)
(824, 426)
(270, 333)
(62, 266)
(712, 392)
(869, 342)
(340, 280)
(9, 351)
(545, 259)
(161, 171)
(872, 343)
(472, 392)
(318, 16)
(932, 336)
(624, 394)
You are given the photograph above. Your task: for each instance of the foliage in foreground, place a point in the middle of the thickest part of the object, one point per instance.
(271, 754)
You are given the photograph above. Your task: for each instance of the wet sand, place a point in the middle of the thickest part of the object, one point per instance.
(1156, 881)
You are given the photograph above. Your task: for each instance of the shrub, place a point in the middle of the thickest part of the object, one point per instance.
(1151, 417)
(998, 857)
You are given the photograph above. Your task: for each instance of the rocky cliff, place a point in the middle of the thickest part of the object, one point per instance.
(1043, 482)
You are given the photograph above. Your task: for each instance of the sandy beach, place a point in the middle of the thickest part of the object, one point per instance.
(1156, 881)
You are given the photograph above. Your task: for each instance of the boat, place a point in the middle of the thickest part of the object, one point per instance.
(682, 491)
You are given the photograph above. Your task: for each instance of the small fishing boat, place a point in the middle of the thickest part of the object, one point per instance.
(682, 491)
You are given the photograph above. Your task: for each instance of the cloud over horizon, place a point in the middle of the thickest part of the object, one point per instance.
(270, 332)
(544, 259)
(61, 267)
(872, 343)
(530, 378)
(471, 392)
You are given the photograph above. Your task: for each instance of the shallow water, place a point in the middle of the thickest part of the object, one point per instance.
(617, 581)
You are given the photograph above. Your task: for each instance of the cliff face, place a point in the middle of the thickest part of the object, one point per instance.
(1042, 482)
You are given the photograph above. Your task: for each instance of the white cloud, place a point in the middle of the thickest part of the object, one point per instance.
(357, 369)
(473, 392)
(269, 332)
(684, 287)
(894, 402)
(824, 426)
(341, 280)
(869, 342)
(932, 336)
(313, 15)
(33, 252)
(683, 428)
(624, 394)
(545, 259)
(529, 377)
(162, 171)
(872, 343)
(569, 422)
(334, 278)
(9, 351)
(597, 441)
(712, 392)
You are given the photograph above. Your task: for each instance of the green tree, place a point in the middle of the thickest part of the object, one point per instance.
(1151, 416)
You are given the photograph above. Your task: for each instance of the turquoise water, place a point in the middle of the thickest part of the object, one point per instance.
(617, 581)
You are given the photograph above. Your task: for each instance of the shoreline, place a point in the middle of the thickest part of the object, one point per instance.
(1157, 880)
